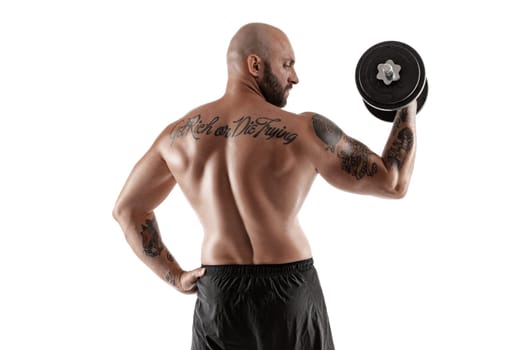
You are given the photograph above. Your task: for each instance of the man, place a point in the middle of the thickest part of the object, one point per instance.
(246, 166)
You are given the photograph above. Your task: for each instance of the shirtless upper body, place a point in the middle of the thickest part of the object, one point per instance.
(246, 165)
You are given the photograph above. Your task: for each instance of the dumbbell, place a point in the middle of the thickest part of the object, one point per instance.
(390, 75)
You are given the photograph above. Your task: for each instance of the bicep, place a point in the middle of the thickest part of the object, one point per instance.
(345, 162)
(148, 184)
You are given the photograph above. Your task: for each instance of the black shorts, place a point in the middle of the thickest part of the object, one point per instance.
(261, 307)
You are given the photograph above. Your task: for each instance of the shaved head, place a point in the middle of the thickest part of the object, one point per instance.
(261, 57)
(252, 38)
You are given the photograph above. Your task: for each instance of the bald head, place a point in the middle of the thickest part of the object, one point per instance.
(252, 38)
(261, 60)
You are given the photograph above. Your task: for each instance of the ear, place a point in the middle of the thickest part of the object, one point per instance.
(255, 65)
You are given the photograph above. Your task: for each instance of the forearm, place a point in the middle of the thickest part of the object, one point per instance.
(400, 150)
(143, 235)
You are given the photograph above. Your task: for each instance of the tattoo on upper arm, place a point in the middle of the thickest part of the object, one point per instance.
(355, 159)
(327, 131)
(400, 147)
(151, 241)
(170, 257)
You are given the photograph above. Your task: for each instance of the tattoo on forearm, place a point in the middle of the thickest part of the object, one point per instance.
(170, 257)
(397, 123)
(327, 131)
(151, 241)
(355, 159)
(267, 128)
(403, 116)
(400, 147)
(170, 278)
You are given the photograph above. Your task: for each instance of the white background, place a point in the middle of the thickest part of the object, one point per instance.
(85, 86)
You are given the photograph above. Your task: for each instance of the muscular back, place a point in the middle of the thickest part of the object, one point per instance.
(243, 167)
(246, 165)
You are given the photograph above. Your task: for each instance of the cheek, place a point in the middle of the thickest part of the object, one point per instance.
(283, 76)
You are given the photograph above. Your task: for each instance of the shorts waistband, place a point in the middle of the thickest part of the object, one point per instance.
(260, 269)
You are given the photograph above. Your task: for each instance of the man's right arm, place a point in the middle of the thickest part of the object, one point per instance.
(351, 166)
(148, 184)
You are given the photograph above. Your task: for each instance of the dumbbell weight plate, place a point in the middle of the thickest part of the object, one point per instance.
(389, 115)
(384, 94)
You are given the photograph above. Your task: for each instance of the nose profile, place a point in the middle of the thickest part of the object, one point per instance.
(293, 79)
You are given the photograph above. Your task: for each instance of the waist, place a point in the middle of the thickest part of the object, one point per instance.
(251, 249)
(259, 269)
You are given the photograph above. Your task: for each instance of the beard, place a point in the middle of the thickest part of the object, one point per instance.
(272, 91)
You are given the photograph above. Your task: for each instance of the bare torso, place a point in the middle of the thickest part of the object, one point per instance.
(241, 166)
(246, 166)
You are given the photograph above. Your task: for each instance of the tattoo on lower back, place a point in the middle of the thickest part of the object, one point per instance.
(260, 127)
(355, 158)
(327, 131)
(151, 241)
(400, 147)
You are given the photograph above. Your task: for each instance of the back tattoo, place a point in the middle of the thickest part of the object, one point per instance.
(264, 127)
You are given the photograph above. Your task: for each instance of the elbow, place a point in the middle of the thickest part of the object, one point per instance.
(123, 215)
(396, 191)
(121, 212)
(399, 192)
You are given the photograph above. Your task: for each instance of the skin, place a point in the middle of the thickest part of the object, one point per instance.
(246, 166)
